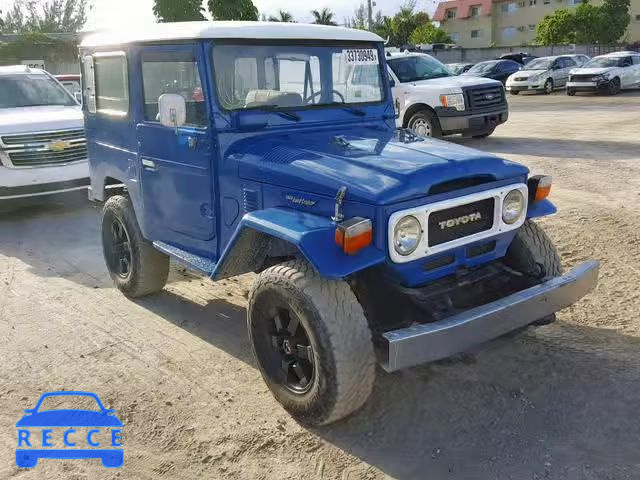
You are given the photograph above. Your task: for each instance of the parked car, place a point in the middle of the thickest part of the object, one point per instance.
(433, 102)
(42, 145)
(494, 69)
(72, 84)
(520, 57)
(458, 68)
(542, 75)
(580, 59)
(371, 243)
(611, 73)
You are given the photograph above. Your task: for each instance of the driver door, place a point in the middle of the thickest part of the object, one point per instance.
(176, 163)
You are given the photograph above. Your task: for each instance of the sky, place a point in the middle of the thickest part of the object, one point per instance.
(129, 13)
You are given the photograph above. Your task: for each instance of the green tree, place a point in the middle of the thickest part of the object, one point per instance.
(323, 17)
(429, 33)
(557, 28)
(233, 10)
(406, 21)
(178, 10)
(46, 16)
(615, 20)
(283, 16)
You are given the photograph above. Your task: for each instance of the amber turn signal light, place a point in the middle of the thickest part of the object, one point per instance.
(539, 187)
(354, 234)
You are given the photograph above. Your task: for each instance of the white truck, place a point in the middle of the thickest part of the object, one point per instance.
(432, 102)
(42, 143)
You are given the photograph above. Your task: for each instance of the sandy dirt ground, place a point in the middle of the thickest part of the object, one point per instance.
(557, 402)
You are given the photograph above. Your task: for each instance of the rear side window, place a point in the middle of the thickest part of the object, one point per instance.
(636, 60)
(175, 73)
(111, 84)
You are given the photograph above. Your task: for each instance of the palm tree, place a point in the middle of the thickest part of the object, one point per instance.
(323, 17)
(283, 16)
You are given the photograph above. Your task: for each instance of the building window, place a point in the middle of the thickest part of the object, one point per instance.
(508, 32)
(112, 86)
(476, 33)
(547, 2)
(575, 2)
(533, 3)
(455, 37)
(638, 17)
(532, 28)
(451, 13)
(508, 7)
(476, 10)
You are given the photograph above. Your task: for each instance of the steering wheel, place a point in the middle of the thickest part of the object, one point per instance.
(310, 98)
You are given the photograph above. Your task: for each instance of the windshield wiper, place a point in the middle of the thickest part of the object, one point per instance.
(276, 109)
(353, 110)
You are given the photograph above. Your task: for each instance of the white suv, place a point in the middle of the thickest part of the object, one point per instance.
(42, 144)
(431, 101)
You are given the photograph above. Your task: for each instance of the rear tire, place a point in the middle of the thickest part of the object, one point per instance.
(425, 123)
(136, 268)
(312, 343)
(571, 92)
(514, 92)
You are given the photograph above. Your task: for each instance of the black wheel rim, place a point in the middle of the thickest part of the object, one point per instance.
(287, 355)
(118, 248)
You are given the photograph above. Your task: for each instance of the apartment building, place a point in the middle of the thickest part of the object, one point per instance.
(505, 23)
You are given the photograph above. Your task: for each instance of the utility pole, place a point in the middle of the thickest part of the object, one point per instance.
(370, 5)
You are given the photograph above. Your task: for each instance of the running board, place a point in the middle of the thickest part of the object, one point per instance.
(201, 264)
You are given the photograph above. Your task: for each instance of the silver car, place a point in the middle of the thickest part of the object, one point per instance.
(543, 74)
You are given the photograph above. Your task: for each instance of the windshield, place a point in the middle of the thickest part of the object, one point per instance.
(599, 62)
(455, 67)
(415, 68)
(539, 64)
(24, 90)
(483, 67)
(290, 76)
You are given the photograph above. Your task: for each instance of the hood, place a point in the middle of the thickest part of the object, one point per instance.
(462, 80)
(379, 167)
(528, 73)
(35, 119)
(590, 71)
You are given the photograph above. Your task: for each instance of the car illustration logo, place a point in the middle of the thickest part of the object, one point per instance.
(58, 146)
(83, 433)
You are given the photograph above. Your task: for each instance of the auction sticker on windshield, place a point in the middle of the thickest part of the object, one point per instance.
(361, 56)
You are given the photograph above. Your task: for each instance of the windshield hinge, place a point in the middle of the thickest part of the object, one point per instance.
(338, 216)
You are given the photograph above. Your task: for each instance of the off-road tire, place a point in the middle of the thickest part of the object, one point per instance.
(338, 333)
(429, 117)
(533, 254)
(149, 267)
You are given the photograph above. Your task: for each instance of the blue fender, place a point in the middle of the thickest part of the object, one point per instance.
(542, 208)
(312, 235)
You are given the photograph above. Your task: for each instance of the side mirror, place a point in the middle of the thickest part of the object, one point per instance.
(172, 110)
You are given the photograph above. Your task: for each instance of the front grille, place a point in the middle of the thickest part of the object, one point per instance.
(581, 78)
(40, 138)
(44, 148)
(483, 97)
(520, 79)
(459, 222)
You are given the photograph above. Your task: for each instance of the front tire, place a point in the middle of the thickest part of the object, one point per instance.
(548, 86)
(136, 268)
(425, 123)
(571, 92)
(614, 86)
(533, 253)
(312, 343)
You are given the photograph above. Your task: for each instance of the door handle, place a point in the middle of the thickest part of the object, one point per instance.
(148, 164)
(192, 142)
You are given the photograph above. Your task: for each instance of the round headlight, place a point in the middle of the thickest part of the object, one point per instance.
(513, 207)
(406, 235)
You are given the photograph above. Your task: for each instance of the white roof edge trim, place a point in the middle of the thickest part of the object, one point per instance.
(167, 32)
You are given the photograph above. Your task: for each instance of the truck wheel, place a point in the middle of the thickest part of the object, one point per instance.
(425, 124)
(533, 254)
(312, 342)
(548, 86)
(137, 269)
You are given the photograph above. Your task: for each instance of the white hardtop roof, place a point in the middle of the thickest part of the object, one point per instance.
(167, 32)
(18, 69)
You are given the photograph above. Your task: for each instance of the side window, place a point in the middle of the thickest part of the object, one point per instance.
(636, 60)
(111, 84)
(627, 62)
(569, 63)
(173, 73)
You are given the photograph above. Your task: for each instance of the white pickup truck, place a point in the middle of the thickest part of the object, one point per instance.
(42, 145)
(433, 102)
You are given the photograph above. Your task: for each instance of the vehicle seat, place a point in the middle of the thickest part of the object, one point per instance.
(255, 98)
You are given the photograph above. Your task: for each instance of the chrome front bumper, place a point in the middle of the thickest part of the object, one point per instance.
(433, 341)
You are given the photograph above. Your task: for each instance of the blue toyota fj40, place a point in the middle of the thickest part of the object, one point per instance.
(272, 148)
